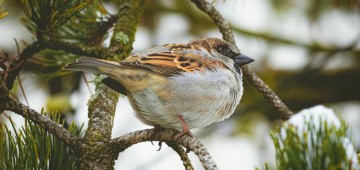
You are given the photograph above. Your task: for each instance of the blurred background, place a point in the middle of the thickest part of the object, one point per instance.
(307, 51)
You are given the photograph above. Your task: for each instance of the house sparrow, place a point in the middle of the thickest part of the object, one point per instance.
(178, 86)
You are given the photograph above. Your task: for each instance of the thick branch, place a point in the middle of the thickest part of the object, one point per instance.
(248, 73)
(102, 107)
(95, 154)
(125, 28)
(4, 92)
(41, 120)
(95, 52)
(167, 135)
(101, 114)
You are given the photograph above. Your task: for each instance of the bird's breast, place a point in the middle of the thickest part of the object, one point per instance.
(201, 98)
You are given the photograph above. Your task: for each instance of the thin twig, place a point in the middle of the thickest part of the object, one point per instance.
(215, 15)
(249, 74)
(8, 117)
(17, 66)
(23, 92)
(313, 46)
(86, 83)
(166, 135)
(8, 70)
(183, 155)
(52, 44)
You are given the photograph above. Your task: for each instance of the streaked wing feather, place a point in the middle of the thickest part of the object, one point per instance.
(168, 63)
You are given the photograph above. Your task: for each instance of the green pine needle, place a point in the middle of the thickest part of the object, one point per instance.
(82, 22)
(44, 16)
(31, 147)
(314, 149)
(88, 27)
(2, 12)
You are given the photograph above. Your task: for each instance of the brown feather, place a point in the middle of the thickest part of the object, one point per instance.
(180, 58)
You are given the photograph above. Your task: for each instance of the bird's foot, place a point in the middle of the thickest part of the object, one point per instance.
(182, 133)
(186, 129)
(158, 129)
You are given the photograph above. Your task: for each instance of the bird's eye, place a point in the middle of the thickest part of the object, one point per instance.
(225, 51)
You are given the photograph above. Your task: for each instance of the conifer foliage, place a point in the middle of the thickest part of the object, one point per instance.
(32, 147)
(314, 139)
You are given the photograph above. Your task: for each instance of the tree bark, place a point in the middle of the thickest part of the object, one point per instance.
(94, 153)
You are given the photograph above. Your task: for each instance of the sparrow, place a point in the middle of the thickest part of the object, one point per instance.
(177, 86)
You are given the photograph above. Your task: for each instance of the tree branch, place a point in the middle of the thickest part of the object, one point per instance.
(215, 15)
(264, 89)
(41, 120)
(10, 104)
(183, 155)
(102, 108)
(249, 74)
(102, 105)
(166, 135)
(4, 91)
(313, 46)
(29, 51)
(53, 44)
(95, 52)
(125, 29)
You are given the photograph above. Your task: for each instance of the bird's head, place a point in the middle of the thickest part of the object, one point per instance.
(223, 50)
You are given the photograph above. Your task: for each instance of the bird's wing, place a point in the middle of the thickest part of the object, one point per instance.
(179, 58)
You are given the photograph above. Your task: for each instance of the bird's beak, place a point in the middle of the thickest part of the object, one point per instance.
(243, 60)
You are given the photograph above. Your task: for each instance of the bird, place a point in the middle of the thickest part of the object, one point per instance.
(176, 86)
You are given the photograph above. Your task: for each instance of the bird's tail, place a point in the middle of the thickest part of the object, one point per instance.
(92, 65)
